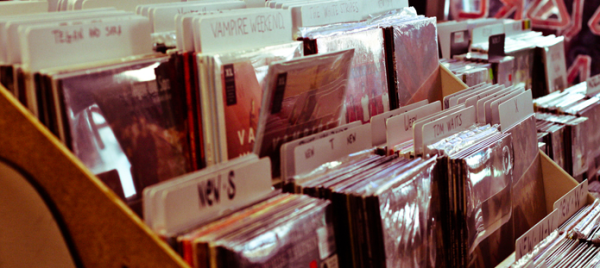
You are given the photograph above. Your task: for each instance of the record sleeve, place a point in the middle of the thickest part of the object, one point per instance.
(302, 97)
(138, 104)
(416, 63)
(367, 93)
(240, 81)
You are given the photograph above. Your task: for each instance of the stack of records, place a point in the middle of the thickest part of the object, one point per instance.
(283, 231)
(471, 73)
(476, 196)
(552, 134)
(302, 97)
(382, 206)
(501, 69)
(231, 91)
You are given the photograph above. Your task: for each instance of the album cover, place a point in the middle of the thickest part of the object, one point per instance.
(367, 93)
(137, 103)
(240, 84)
(303, 96)
(416, 63)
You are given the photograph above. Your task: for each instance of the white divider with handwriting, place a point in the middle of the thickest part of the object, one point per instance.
(322, 13)
(515, 110)
(380, 6)
(400, 128)
(379, 122)
(85, 41)
(311, 155)
(287, 151)
(163, 18)
(443, 127)
(593, 85)
(482, 34)
(206, 196)
(564, 208)
(237, 30)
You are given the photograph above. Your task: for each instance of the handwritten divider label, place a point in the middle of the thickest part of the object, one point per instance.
(483, 33)
(446, 126)
(572, 201)
(513, 27)
(378, 122)
(316, 14)
(313, 154)
(209, 196)
(380, 6)
(52, 46)
(163, 19)
(536, 234)
(287, 149)
(515, 110)
(400, 128)
(237, 30)
(593, 85)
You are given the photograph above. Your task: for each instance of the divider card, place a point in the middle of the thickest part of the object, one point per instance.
(481, 103)
(22, 7)
(472, 101)
(446, 32)
(446, 100)
(417, 128)
(572, 201)
(463, 98)
(455, 100)
(593, 86)
(482, 34)
(163, 17)
(15, 28)
(515, 110)
(323, 13)
(251, 29)
(49, 45)
(129, 5)
(287, 151)
(379, 122)
(488, 105)
(444, 127)
(514, 27)
(526, 243)
(399, 128)
(311, 155)
(31, 17)
(380, 6)
(212, 195)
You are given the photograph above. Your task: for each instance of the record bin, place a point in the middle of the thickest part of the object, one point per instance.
(98, 228)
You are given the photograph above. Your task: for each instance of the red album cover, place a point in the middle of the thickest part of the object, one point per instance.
(416, 61)
(367, 93)
(242, 95)
(242, 78)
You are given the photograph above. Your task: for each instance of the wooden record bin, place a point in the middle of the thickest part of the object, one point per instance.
(99, 230)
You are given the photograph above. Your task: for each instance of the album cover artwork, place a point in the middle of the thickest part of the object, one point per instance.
(416, 63)
(367, 93)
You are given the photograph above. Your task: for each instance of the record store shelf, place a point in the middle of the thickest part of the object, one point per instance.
(99, 229)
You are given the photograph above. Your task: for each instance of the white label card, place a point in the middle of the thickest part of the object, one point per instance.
(164, 17)
(210, 196)
(311, 155)
(379, 6)
(593, 85)
(536, 234)
(483, 33)
(556, 66)
(572, 201)
(231, 31)
(378, 122)
(323, 13)
(444, 127)
(400, 128)
(515, 110)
